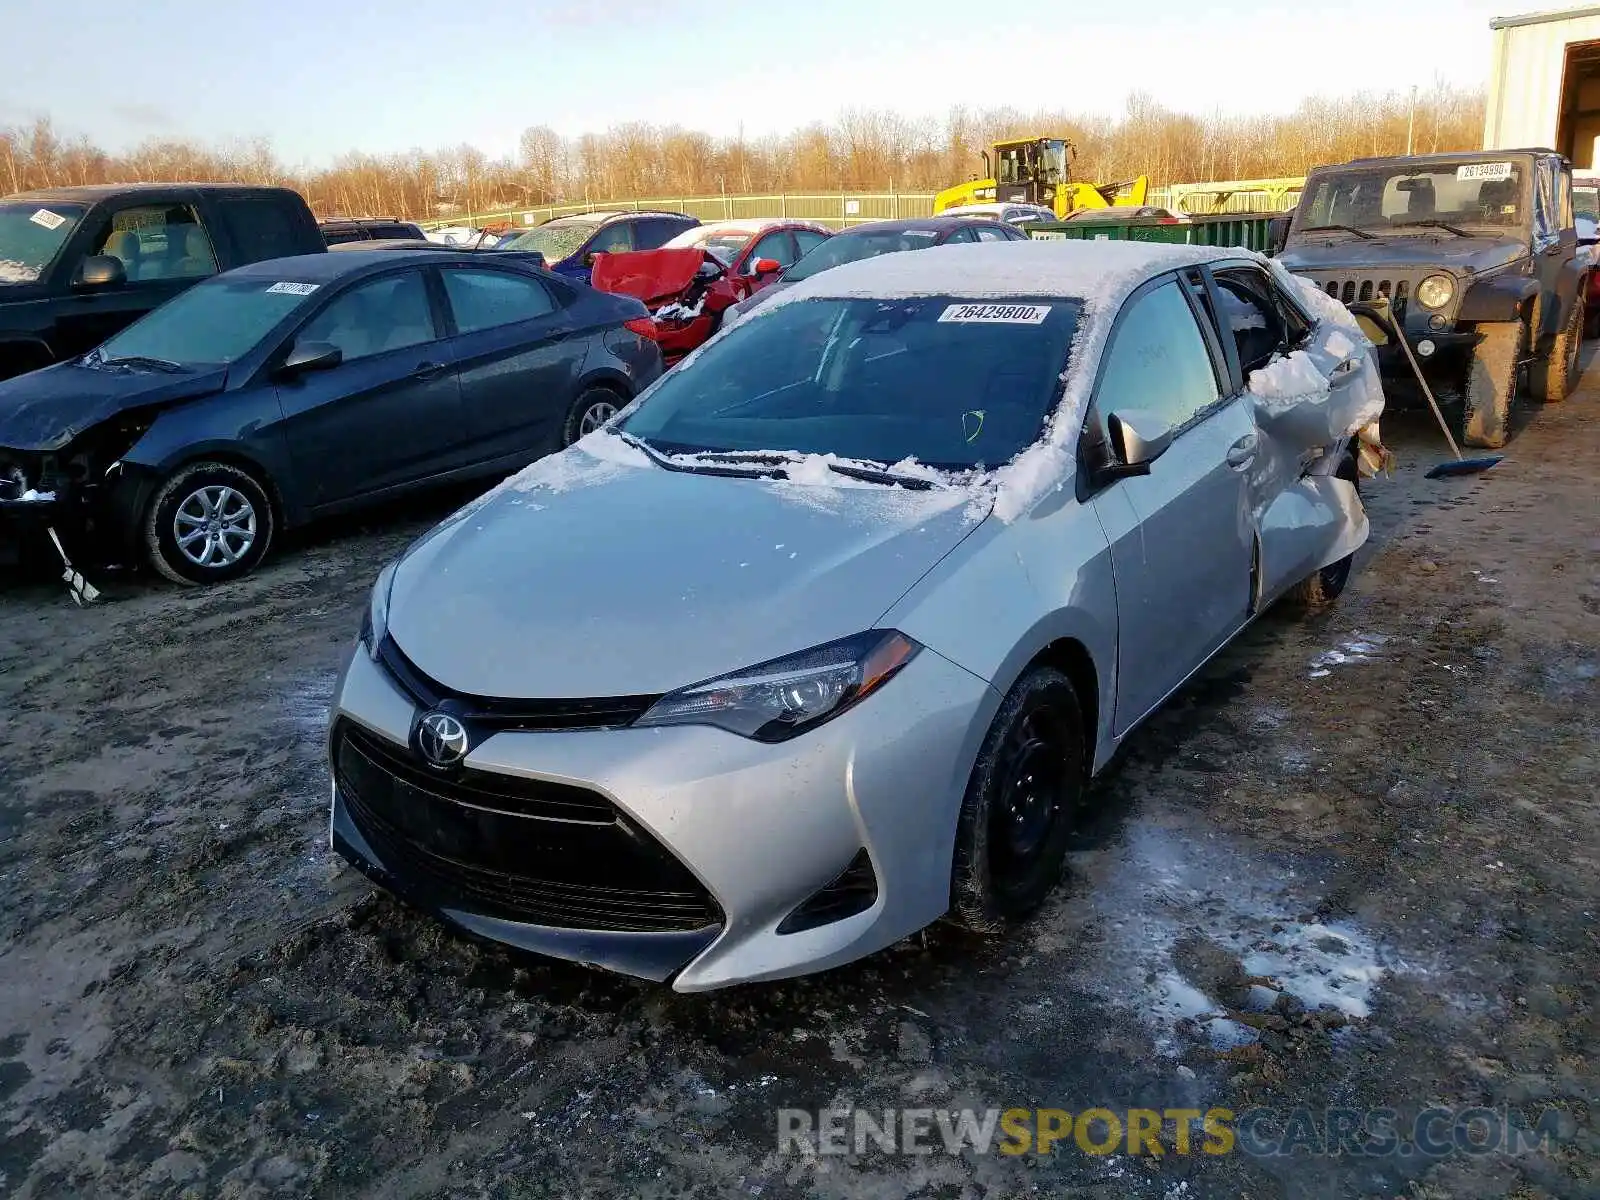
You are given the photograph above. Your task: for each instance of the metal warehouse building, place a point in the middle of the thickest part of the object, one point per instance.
(1544, 83)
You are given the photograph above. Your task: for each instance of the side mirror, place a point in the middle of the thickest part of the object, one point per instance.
(589, 258)
(102, 271)
(768, 266)
(1277, 234)
(1137, 440)
(311, 356)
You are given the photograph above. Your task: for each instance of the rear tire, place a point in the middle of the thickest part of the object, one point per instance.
(589, 412)
(208, 523)
(1555, 376)
(1016, 818)
(1326, 584)
(1492, 386)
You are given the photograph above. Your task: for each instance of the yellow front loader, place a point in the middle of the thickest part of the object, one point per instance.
(1039, 171)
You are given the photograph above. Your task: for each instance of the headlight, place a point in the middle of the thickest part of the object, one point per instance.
(778, 700)
(375, 623)
(1436, 291)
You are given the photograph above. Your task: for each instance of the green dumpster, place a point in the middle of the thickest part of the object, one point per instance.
(1253, 232)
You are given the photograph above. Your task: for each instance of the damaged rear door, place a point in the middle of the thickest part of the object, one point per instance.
(1303, 382)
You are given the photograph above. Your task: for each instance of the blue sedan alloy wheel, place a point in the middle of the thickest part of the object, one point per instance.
(209, 522)
(1018, 813)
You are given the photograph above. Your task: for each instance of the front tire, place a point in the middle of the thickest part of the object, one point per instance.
(1555, 376)
(1016, 818)
(1492, 386)
(589, 412)
(208, 523)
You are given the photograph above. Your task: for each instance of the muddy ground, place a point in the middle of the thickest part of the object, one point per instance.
(1389, 809)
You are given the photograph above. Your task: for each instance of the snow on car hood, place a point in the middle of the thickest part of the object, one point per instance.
(598, 573)
(654, 276)
(45, 410)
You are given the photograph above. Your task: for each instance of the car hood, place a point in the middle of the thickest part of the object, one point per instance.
(1472, 255)
(45, 410)
(654, 276)
(637, 580)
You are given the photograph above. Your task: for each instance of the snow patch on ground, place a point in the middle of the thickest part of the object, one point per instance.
(1363, 648)
(1166, 886)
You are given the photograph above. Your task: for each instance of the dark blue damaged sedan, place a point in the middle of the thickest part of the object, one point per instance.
(296, 388)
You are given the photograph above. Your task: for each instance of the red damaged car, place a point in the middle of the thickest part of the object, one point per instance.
(692, 280)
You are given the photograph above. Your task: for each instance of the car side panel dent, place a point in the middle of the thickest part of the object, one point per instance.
(1007, 594)
(1314, 522)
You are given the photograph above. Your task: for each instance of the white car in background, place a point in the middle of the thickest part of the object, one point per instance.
(1012, 214)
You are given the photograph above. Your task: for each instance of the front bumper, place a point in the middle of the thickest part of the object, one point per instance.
(1449, 349)
(757, 829)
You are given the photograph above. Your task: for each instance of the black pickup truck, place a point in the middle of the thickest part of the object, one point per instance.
(77, 264)
(1478, 258)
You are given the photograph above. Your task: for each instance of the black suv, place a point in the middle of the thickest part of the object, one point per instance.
(1477, 257)
(338, 230)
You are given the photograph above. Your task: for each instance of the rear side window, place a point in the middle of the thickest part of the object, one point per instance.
(654, 232)
(261, 229)
(487, 299)
(1250, 318)
(338, 237)
(1158, 361)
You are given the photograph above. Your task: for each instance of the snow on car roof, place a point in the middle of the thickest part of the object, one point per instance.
(1092, 271)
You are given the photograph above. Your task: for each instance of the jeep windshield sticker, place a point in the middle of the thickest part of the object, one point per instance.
(48, 219)
(293, 289)
(996, 314)
(1483, 172)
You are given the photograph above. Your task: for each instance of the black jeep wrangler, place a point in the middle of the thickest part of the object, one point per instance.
(1478, 259)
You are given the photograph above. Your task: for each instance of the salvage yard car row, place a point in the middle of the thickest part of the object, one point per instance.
(759, 664)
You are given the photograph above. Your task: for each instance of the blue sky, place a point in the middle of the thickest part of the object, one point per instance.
(319, 77)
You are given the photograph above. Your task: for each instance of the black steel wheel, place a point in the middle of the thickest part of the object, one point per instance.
(1016, 819)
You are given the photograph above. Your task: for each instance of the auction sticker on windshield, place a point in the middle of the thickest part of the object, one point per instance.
(1484, 172)
(48, 219)
(996, 314)
(292, 289)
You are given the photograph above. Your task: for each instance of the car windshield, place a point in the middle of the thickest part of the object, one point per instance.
(556, 240)
(1393, 197)
(31, 235)
(952, 382)
(216, 322)
(851, 246)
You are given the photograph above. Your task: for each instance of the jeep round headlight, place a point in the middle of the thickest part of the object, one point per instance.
(1436, 291)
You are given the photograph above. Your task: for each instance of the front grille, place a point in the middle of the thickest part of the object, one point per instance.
(1353, 290)
(485, 714)
(545, 854)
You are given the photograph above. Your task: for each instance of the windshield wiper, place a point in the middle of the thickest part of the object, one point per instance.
(143, 360)
(1360, 233)
(1433, 223)
(694, 464)
(880, 475)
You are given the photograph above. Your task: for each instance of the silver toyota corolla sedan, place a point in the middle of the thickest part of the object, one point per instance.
(821, 638)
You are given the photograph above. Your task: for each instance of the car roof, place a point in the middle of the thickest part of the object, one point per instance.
(605, 218)
(329, 267)
(95, 192)
(902, 225)
(1089, 270)
(1444, 158)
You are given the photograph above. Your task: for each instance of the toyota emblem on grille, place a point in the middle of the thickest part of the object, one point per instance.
(441, 739)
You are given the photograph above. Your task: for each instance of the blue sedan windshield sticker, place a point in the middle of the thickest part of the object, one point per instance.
(996, 314)
(293, 289)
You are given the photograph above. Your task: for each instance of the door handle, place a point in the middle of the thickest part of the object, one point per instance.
(429, 370)
(1243, 452)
